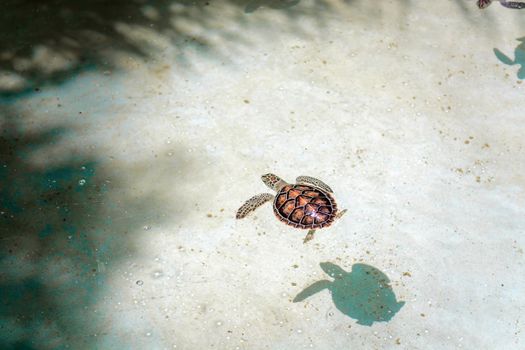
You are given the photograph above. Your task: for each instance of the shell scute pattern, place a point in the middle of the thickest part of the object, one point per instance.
(280, 199)
(304, 207)
(288, 207)
(301, 201)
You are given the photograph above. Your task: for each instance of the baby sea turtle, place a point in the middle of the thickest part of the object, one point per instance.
(308, 204)
(508, 4)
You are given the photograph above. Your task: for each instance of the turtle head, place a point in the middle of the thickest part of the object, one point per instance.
(273, 181)
(333, 270)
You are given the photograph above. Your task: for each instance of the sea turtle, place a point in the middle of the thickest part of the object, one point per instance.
(508, 4)
(364, 294)
(308, 204)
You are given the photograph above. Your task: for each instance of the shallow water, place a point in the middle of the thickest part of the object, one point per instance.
(132, 132)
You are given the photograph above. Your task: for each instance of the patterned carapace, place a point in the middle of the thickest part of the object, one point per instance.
(304, 207)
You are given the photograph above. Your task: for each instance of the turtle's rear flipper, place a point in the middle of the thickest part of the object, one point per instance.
(309, 236)
(341, 213)
(252, 204)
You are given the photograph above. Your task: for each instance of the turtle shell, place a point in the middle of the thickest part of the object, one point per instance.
(304, 206)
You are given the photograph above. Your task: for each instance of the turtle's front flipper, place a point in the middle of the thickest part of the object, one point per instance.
(309, 236)
(252, 204)
(311, 290)
(313, 181)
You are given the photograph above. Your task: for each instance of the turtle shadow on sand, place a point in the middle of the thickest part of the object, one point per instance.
(363, 294)
(519, 57)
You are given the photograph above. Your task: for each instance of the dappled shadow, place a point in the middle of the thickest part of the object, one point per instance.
(46, 42)
(49, 42)
(58, 239)
(519, 58)
(363, 294)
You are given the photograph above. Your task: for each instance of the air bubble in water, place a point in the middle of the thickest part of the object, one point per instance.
(82, 182)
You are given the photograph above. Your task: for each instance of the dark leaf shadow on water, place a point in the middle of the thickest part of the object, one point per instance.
(519, 58)
(47, 42)
(363, 294)
(58, 238)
